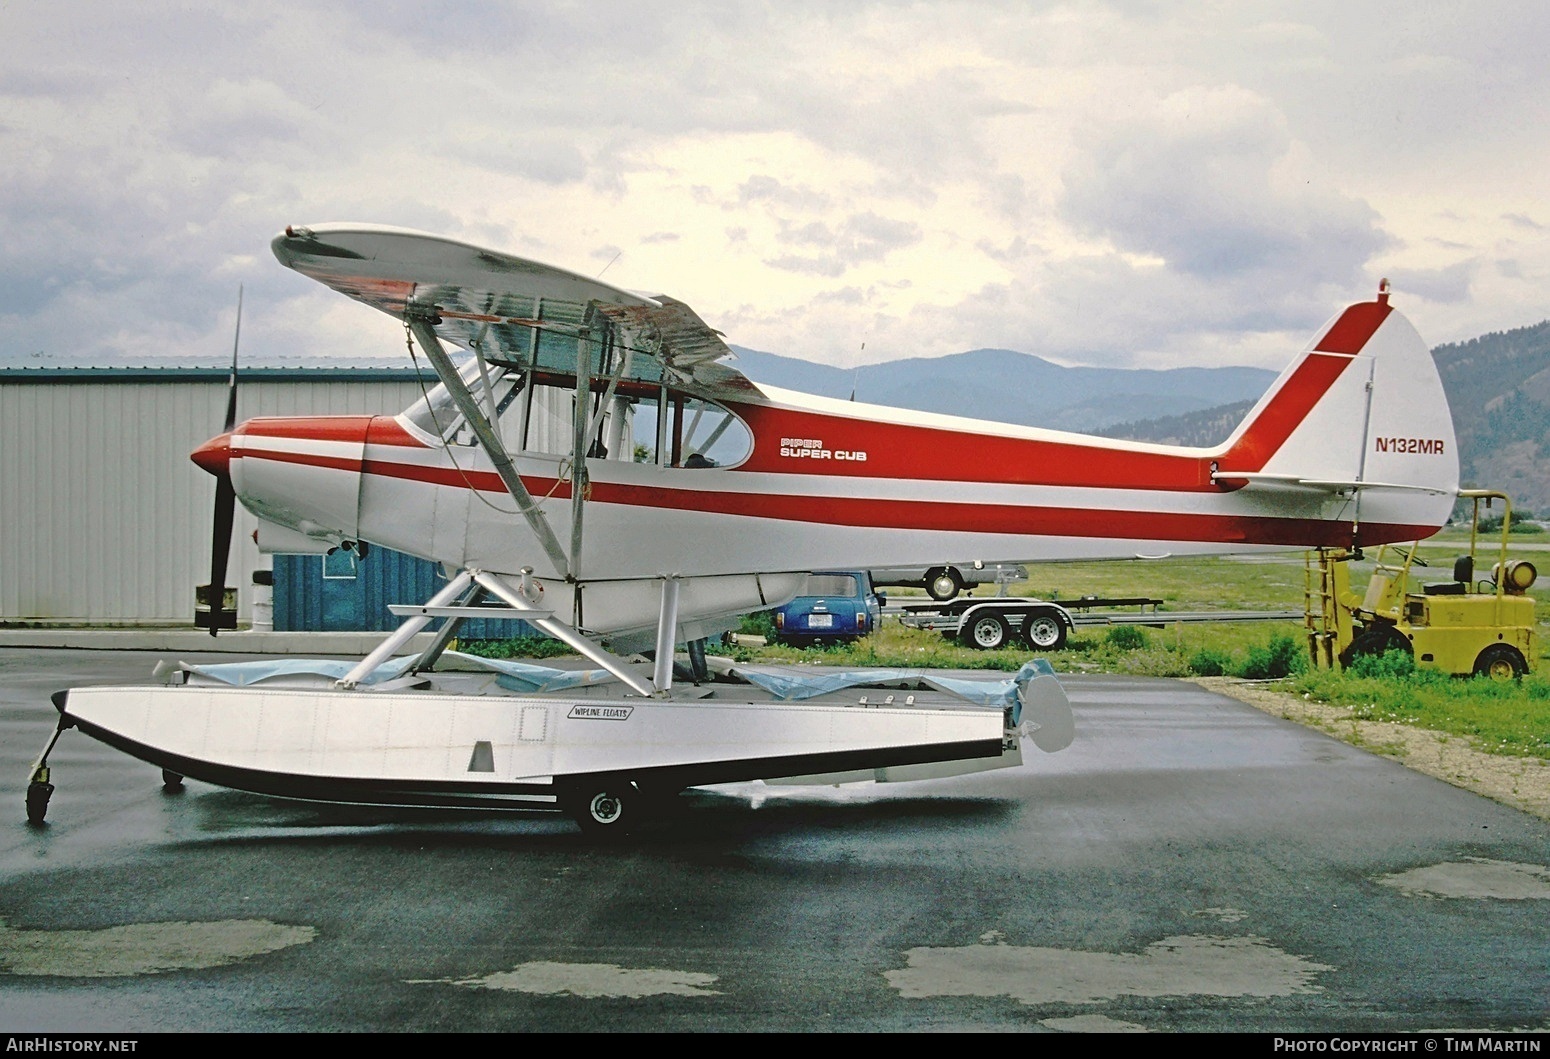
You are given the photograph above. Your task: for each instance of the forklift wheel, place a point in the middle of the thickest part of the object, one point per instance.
(1375, 640)
(1500, 662)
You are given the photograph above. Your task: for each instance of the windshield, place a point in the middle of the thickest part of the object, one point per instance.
(436, 413)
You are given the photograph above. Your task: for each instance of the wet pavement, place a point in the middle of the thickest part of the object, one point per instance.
(1188, 864)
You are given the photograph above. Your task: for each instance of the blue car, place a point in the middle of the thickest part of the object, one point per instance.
(834, 605)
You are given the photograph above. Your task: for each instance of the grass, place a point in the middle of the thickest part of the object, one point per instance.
(1510, 718)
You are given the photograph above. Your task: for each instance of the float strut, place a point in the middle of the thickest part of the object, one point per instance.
(667, 627)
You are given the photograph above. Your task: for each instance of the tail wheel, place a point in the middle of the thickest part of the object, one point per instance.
(989, 633)
(1500, 662)
(942, 585)
(1044, 632)
(612, 808)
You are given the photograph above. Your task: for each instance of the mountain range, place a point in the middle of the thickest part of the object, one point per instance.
(1011, 387)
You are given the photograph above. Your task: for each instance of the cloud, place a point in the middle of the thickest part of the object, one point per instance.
(1206, 180)
(767, 189)
(859, 238)
(1448, 284)
(1113, 183)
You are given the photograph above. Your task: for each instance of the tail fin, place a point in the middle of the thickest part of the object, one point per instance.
(1361, 411)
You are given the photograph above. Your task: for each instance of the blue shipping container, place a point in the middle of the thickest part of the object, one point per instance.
(340, 592)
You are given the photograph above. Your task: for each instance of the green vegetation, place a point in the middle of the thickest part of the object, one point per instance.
(523, 647)
(1127, 637)
(1511, 718)
(1491, 526)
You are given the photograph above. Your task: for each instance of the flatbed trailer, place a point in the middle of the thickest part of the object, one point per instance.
(989, 624)
(994, 623)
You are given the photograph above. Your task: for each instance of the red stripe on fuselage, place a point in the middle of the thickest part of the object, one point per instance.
(927, 515)
(929, 453)
(1026, 520)
(309, 428)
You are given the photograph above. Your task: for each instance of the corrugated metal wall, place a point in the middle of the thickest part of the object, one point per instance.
(103, 518)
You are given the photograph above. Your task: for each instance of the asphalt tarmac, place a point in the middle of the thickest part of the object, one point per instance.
(1188, 864)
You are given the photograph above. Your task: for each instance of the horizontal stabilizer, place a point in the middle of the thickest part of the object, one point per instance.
(1322, 485)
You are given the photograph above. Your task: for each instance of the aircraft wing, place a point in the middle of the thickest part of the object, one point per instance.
(511, 308)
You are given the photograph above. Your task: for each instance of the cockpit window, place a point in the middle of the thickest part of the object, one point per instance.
(695, 433)
(536, 414)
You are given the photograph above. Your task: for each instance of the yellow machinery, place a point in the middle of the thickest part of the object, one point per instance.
(1461, 626)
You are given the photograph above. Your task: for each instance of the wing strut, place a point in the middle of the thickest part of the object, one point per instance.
(423, 330)
(578, 458)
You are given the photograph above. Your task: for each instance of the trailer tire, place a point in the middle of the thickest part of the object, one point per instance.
(1500, 662)
(942, 584)
(1044, 632)
(988, 632)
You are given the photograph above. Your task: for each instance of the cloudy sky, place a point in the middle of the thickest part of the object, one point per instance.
(1123, 184)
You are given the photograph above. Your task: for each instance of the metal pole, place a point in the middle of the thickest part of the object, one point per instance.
(667, 629)
(578, 461)
(474, 596)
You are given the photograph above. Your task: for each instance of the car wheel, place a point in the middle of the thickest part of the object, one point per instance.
(1044, 632)
(1500, 662)
(942, 585)
(988, 633)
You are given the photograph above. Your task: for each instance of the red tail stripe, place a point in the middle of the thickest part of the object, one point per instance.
(1285, 412)
(1356, 325)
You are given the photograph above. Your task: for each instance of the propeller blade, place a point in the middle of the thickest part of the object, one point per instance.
(220, 547)
(231, 398)
(225, 496)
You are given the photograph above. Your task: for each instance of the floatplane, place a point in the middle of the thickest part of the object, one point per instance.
(592, 462)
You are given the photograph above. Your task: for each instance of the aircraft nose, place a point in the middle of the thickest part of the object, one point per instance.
(215, 455)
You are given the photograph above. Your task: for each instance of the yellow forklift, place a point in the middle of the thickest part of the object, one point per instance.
(1464, 626)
